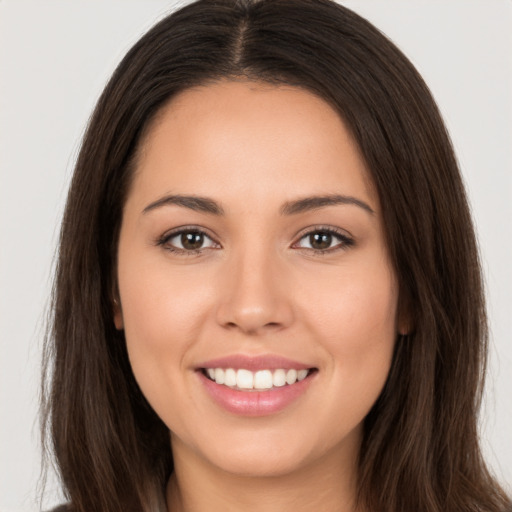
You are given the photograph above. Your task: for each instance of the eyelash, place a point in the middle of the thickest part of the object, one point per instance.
(345, 242)
(166, 237)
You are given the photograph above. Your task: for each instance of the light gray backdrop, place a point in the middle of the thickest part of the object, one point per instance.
(55, 57)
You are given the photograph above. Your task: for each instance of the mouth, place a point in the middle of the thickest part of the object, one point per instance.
(256, 385)
(246, 380)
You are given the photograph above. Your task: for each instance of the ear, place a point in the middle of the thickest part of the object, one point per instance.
(405, 322)
(117, 314)
(404, 328)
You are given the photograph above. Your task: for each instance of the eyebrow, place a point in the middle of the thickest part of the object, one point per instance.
(315, 202)
(207, 205)
(196, 203)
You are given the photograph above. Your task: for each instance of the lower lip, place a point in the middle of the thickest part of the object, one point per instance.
(255, 403)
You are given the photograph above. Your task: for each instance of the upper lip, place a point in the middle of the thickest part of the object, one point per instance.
(254, 363)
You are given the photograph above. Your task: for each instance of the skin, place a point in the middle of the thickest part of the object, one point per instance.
(256, 287)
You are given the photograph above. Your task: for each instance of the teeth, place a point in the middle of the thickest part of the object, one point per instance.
(219, 375)
(291, 376)
(302, 374)
(263, 379)
(279, 378)
(230, 377)
(244, 379)
(260, 380)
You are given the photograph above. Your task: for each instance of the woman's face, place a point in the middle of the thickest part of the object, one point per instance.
(252, 253)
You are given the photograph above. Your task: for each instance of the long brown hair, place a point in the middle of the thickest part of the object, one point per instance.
(420, 449)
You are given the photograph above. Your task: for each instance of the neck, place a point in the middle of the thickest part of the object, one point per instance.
(328, 484)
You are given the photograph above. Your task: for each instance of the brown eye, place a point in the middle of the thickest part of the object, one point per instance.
(192, 240)
(187, 241)
(320, 241)
(324, 241)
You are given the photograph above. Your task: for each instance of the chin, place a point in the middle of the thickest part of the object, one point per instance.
(260, 463)
(272, 454)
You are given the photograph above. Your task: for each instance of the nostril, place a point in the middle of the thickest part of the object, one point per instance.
(253, 329)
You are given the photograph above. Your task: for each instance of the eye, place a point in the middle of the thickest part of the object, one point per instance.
(189, 241)
(324, 240)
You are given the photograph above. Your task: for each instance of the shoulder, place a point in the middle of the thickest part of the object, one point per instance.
(60, 508)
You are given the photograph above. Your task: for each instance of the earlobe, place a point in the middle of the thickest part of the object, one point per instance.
(118, 315)
(405, 324)
(403, 331)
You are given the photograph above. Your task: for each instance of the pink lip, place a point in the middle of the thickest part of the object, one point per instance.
(254, 363)
(254, 403)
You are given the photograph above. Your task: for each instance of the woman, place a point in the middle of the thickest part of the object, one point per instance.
(268, 292)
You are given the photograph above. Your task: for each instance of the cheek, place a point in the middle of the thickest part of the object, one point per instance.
(355, 322)
(159, 304)
(355, 327)
(157, 310)
(163, 314)
(362, 300)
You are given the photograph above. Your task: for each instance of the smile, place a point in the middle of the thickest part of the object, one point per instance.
(247, 380)
(255, 385)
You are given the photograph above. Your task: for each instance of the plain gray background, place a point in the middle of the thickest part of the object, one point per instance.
(55, 57)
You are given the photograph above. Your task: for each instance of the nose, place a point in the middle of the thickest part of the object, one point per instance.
(256, 297)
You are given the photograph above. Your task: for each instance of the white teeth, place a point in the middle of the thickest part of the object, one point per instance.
(260, 380)
(302, 374)
(244, 379)
(291, 376)
(279, 378)
(219, 375)
(263, 379)
(230, 377)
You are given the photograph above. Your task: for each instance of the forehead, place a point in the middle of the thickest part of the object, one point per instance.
(250, 138)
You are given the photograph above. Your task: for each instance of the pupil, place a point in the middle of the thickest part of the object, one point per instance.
(320, 240)
(192, 240)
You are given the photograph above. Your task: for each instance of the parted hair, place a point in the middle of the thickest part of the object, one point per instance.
(420, 449)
